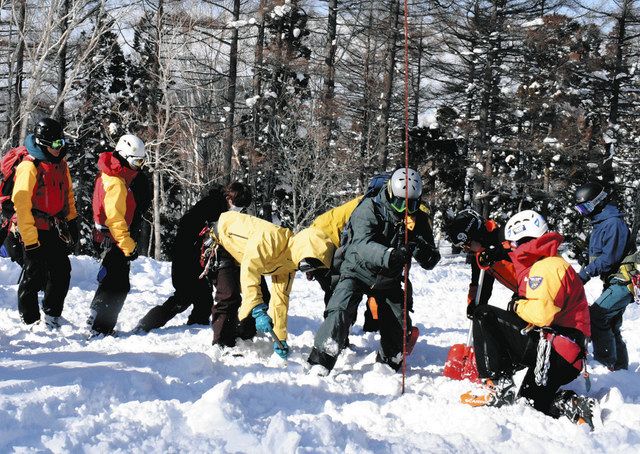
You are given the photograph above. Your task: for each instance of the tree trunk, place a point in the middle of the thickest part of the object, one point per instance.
(227, 141)
(58, 112)
(19, 75)
(154, 111)
(385, 102)
(417, 79)
(328, 108)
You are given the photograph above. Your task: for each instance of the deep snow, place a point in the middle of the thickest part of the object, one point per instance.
(171, 391)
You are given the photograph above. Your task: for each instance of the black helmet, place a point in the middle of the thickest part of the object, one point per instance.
(467, 225)
(590, 198)
(48, 132)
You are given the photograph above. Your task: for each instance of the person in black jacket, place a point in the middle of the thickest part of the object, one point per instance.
(185, 264)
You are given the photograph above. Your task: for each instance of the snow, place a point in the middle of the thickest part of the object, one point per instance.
(171, 391)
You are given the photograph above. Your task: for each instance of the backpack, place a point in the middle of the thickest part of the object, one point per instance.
(7, 179)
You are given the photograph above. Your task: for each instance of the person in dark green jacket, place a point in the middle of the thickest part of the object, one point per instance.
(375, 254)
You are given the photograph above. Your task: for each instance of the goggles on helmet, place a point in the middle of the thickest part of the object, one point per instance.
(136, 162)
(400, 204)
(588, 207)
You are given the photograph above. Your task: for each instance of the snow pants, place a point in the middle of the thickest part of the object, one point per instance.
(225, 324)
(113, 287)
(341, 313)
(195, 291)
(606, 319)
(51, 271)
(501, 349)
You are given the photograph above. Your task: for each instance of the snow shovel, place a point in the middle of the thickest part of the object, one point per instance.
(461, 360)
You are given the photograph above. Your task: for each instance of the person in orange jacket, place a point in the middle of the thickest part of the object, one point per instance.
(482, 240)
(120, 194)
(45, 217)
(544, 328)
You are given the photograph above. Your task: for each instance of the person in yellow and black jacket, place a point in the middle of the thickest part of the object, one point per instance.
(120, 195)
(544, 328)
(374, 259)
(262, 248)
(45, 216)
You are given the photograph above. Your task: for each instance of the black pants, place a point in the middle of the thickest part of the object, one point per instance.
(224, 320)
(196, 291)
(51, 272)
(501, 349)
(113, 287)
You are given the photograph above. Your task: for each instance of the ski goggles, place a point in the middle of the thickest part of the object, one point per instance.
(588, 207)
(55, 144)
(401, 204)
(136, 163)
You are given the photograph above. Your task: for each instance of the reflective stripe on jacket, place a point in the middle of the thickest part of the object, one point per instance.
(552, 292)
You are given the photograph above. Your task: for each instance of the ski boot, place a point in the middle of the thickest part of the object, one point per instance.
(495, 393)
(52, 322)
(579, 409)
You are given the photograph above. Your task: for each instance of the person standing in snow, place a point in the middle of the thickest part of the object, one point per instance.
(45, 219)
(611, 251)
(544, 328)
(262, 248)
(482, 240)
(375, 255)
(121, 193)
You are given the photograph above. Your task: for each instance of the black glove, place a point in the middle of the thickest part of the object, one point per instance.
(74, 232)
(471, 309)
(134, 255)
(492, 255)
(427, 254)
(512, 305)
(400, 256)
(33, 252)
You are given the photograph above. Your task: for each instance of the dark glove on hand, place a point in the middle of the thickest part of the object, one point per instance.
(512, 305)
(426, 254)
(74, 231)
(134, 255)
(492, 255)
(400, 256)
(471, 309)
(33, 252)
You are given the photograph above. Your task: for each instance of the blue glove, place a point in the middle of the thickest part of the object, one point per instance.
(263, 321)
(281, 352)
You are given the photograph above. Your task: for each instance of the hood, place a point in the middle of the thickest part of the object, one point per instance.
(609, 211)
(529, 253)
(110, 165)
(40, 154)
(311, 242)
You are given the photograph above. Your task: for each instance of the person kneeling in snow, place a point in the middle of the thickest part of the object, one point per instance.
(375, 255)
(544, 329)
(262, 248)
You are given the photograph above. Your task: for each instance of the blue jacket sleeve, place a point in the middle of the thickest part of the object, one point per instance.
(614, 239)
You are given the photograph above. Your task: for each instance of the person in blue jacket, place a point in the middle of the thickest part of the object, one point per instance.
(610, 243)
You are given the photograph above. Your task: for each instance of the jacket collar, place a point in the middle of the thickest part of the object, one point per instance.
(110, 165)
(529, 253)
(609, 211)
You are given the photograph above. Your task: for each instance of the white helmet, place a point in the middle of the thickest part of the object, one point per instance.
(131, 148)
(403, 185)
(525, 224)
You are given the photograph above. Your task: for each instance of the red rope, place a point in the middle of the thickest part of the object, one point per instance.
(406, 192)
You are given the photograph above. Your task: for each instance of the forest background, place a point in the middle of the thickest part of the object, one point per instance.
(512, 103)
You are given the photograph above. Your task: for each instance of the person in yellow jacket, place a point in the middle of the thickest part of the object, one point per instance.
(45, 216)
(262, 248)
(120, 196)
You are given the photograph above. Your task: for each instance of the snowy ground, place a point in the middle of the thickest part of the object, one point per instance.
(170, 391)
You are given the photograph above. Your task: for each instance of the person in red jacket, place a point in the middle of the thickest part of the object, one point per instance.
(118, 197)
(45, 216)
(544, 328)
(482, 240)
